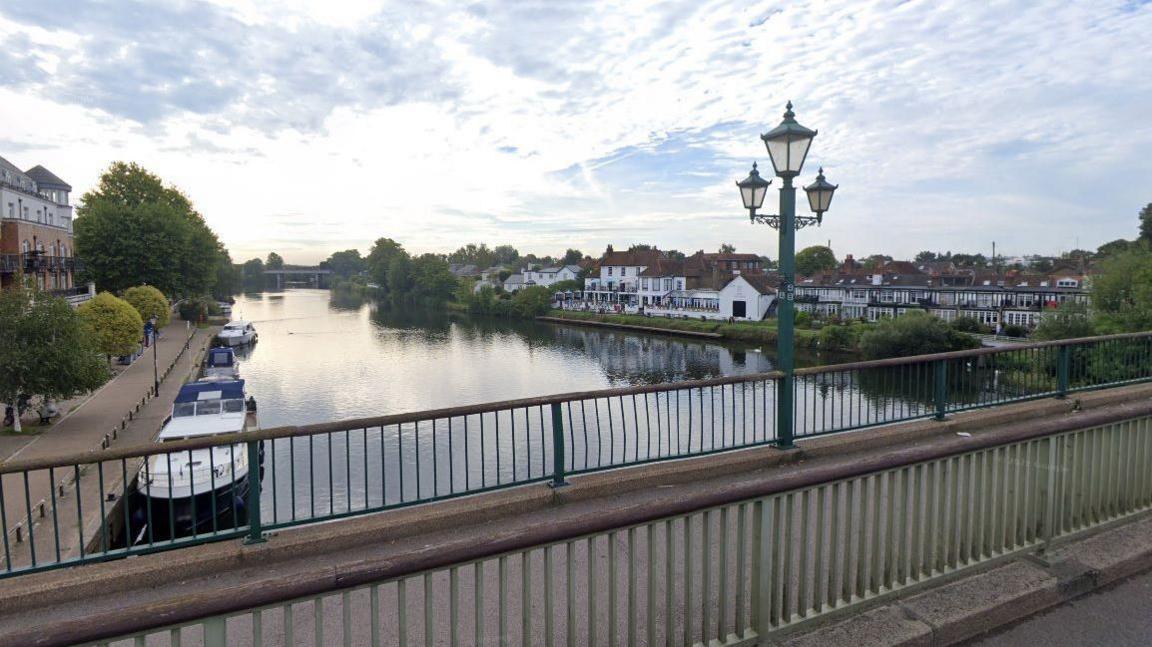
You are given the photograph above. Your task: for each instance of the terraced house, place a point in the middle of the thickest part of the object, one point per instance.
(36, 230)
(992, 298)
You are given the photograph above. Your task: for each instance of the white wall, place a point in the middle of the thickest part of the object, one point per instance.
(756, 304)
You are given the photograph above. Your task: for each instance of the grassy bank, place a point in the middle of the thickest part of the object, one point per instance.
(761, 332)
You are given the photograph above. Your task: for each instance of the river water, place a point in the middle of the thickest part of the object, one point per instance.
(323, 356)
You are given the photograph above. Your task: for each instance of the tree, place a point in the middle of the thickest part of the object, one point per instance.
(227, 276)
(149, 302)
(1041, 265)
(431, 279)
(505, 255)
(132, 229)
(925, 257)
(876, 261)
(380, 258)
(399, 275)
(572, 256)
(1112, 248)
(817, 258)
(274, 262)
(345, 264)
(915, 333)
(47, 350)
(969, 260)
(1122, 292)
(252, 272)
(532, 301)
(115, 325)
(1146, 223)
(727, 248)
(1071, 321)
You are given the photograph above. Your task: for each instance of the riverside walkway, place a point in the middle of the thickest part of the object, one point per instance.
(121, 411)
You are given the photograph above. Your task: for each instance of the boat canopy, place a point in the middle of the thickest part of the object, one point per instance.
(233, 390)
(221, 358)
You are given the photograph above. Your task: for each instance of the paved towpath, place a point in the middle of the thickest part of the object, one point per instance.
(84, 427)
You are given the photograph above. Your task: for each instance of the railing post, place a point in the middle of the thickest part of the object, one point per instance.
(255, 531)
(941, 388)
(557, 447)
(1063, 366)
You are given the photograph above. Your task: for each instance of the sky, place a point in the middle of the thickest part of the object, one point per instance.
(306, 127)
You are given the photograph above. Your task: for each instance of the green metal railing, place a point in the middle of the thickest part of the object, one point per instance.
(736, 573)
(301, 475)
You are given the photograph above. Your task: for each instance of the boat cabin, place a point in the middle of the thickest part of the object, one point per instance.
(207, 409)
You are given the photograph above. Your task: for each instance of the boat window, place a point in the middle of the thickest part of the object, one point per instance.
(183, 409)
(207, 407)
(233, 406)
(219, 358)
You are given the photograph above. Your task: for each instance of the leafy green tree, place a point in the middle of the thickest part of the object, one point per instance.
(1112, 248)
(252, 272)
(817, 258)
(876, 261)
(149, 302)
(227, 276)
(915, 333)
(399, 275)
(1042, 265)
(345, 264)
(968, 324)
(505, 255)
(572, 257)
(1146, 223)
(925, 257)
(115, 325)
(47, 349)
(1070, 321)
(380, 257)
(274, 262)
(1122, 292)
(727, 248)
(431, 279)
(969, 260)
(132, 229)
(532, 301)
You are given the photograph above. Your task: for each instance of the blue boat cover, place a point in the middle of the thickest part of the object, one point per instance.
(222, 390)
(221, 357)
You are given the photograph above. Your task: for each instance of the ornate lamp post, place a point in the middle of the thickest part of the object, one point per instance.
(787, 148)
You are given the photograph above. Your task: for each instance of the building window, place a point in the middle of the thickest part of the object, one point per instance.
(25, 214)
(609, 271)
(11, 210)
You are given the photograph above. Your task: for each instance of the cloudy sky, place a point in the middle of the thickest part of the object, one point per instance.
(310, 126)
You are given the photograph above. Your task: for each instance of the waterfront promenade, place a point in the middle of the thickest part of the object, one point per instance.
(83, 429)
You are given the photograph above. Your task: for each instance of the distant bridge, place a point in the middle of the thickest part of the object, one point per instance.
(314, 277)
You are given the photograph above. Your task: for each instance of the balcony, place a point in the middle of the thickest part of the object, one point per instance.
(37, 263)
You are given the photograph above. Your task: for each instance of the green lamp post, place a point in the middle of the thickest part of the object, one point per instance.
(787, 148)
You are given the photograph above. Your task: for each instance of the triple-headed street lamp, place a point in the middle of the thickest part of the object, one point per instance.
(787, 148)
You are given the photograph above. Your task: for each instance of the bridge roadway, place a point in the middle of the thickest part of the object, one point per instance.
(110, 599)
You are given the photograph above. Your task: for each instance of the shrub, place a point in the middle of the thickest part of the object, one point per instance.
(915, 333)
(968, 324)
(115, 325)
(192, 309)
(1014, 330)
(149, 302)
(532, 301)
(838, 337)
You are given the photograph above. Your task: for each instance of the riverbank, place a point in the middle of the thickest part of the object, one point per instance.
(760, 332)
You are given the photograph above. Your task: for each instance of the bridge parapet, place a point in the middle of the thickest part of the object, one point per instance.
(731, 548)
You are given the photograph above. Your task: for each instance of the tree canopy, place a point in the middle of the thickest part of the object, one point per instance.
(1122, 292)
(149, 302)
(114, 325)
(47, 350)
(1146, 223)
(345, 264)
(817, 258)
(274, 262)
(132, 229)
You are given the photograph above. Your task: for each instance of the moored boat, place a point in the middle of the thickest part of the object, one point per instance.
(199, 490)
(237, 333)
(220, 364)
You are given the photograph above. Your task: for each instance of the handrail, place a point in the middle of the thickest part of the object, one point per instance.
(295, 431)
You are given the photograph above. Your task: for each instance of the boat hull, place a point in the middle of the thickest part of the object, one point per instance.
(237, 340)
(220, 510)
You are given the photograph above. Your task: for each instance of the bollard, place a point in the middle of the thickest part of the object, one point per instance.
(115, 431)
(41, 510)
(104, 443)
(19, 533)
(60, 490)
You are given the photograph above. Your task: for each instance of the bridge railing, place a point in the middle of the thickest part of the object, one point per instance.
(729, 574)
(311, 473)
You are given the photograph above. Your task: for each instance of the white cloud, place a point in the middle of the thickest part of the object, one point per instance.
(307, 127)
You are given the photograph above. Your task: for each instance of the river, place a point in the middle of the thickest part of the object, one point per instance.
(323, 356)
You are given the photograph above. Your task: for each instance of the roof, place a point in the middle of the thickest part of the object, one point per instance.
(223, 356)
(762, 283)
(47, 179)
(194, 391)
(730, 257)
(10, 167)
(515, 278)
(630, 258)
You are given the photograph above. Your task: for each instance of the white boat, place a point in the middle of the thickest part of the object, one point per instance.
(237, 333)
(225, 307)
(220, 364)
(200, 490)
